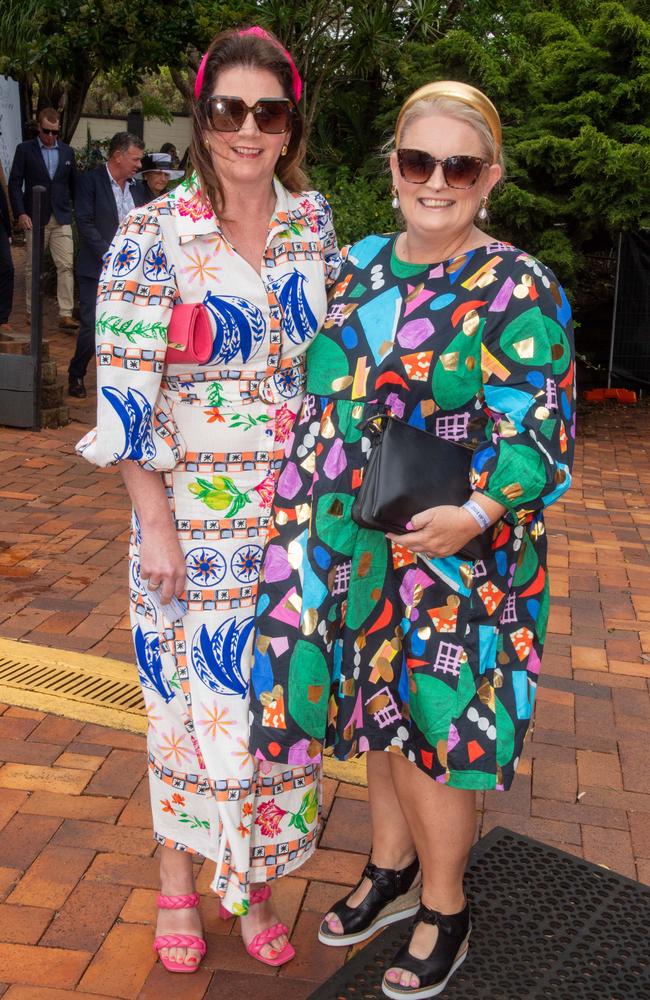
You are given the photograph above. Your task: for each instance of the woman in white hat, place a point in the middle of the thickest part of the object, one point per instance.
(156, 173)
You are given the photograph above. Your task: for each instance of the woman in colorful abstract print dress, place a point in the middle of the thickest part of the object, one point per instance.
(394, 642)
(199, 449)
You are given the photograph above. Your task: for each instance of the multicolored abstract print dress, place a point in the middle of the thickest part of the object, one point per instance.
(217, 433)
(361, 645)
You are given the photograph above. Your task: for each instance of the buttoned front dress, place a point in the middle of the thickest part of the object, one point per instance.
(217, 433)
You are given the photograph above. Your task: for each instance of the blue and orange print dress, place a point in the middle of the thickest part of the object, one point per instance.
(360, 644)
(217, 433)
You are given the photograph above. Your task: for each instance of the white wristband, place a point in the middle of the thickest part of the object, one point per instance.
(477, 512)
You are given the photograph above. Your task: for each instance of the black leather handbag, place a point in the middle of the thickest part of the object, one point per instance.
(410, 470)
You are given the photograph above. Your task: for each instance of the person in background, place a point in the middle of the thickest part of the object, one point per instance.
(170, 149)
(396, 645)
(6, 261)
(104, 197)
(156, 173)
(51, 163)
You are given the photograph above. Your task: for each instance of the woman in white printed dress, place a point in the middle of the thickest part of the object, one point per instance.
(199, 449)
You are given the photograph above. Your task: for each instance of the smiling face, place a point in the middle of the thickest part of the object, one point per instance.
(434, 212)
(247, 156)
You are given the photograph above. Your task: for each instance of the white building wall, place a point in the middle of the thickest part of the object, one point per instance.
(156, 132)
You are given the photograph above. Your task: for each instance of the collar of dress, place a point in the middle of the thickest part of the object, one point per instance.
(194, 217)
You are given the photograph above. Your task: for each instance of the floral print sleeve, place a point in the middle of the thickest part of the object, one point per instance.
(135, 295)
(529, 392)
(333, 258)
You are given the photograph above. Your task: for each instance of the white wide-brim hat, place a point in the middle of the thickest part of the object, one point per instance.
(161, 162)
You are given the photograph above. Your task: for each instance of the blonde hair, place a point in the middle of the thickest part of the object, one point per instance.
(452, 108)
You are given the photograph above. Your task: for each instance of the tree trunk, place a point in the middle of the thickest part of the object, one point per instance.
(183, 85)
(75, 99)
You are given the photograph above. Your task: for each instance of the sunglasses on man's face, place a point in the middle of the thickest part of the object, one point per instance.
(460, 172)
(270, 114)
(50, 131)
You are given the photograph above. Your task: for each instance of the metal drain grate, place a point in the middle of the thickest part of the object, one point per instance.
(80, 686)
(93, 690)
(96, 689)
(546, 926)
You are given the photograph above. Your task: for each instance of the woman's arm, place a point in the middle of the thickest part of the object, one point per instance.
(529, 397)
(525, 465)
(162, 563)
(134, 308)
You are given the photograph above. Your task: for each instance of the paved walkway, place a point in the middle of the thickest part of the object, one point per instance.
(77, 871)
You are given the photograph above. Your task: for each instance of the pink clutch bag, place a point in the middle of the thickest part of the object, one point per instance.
(189, 335)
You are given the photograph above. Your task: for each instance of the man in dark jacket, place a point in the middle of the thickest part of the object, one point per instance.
(104, 197)
(6, 262)
(48, 161)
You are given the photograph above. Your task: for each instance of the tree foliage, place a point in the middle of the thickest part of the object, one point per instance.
(56, 48)
(571, 79)
(572, 83)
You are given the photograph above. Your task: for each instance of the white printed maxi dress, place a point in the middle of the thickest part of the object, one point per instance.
(217, 433)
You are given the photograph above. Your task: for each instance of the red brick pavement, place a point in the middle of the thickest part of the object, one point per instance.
(77, 871)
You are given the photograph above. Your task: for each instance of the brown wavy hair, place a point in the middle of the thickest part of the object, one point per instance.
(230, 48)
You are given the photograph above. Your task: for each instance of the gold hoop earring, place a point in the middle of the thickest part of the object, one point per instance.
(284, 150)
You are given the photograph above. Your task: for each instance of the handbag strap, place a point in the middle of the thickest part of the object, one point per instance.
(376, 424)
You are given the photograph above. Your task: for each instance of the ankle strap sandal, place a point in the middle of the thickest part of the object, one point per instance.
(393, 895)
(448, 953)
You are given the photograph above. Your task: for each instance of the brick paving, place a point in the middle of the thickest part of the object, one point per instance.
(77, 865)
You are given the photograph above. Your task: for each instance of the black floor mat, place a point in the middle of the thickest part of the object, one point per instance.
(546, 926)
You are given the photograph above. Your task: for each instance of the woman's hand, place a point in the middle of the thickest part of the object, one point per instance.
(162, 563)
(439, 531)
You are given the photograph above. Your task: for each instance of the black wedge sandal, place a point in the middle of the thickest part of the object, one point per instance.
(393, 895)
(434, 972)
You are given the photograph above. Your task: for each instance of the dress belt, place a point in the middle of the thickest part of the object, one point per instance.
(270, 385)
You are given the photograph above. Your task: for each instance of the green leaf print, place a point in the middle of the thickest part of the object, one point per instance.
(245, 422)
(174, 682)
(307, 812)
(194, 822)
(293, 228)
(215, 394)
(219, 494)
(131, 329)
(240, 909)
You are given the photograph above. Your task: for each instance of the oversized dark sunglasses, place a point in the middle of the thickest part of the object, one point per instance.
(460, 172)
(50, 131)
(271, 114)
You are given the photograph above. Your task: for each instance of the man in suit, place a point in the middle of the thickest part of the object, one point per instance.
(48, 161)
(104, 197)
(6, 262)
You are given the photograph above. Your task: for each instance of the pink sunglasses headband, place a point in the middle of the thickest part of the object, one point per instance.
(260, 33)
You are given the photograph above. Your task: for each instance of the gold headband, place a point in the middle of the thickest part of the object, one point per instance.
(455, 91)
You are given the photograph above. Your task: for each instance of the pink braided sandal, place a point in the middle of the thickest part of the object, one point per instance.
(264, 937)
(179, 940)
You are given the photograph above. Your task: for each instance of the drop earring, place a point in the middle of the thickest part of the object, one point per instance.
(284, 150)
(483, 212)
(395, 199)
(206, 143)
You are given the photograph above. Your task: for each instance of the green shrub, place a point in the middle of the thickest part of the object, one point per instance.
(360, 204)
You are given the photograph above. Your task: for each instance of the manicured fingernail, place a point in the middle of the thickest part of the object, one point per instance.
(409, 525)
